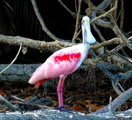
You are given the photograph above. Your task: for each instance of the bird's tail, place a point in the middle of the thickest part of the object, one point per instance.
(39, 83)
(37, 76)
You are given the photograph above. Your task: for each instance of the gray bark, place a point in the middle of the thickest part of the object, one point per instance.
(50, 114)
(23, 72)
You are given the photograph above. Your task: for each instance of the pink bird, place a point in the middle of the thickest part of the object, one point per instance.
(64, 62)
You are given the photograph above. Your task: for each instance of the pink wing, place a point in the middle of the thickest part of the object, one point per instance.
(62, 62)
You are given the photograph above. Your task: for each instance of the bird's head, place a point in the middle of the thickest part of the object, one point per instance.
(86, 32)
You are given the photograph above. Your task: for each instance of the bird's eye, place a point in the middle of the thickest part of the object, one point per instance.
(83, 21)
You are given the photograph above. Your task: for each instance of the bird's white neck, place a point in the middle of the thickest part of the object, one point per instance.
(86, 47)
(85, 36)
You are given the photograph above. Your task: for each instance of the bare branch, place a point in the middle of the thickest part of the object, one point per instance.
(51, 46)
(67, 9)
(122, 15)
(13, 59)
(104, 5)
(105, 14)
(8, 104)
(124, 57)
(98, 19)
(35, 44)
(98, 32)
(77, 21)
(119, 33)
(109, 42)
(42, 23)
(118, 101)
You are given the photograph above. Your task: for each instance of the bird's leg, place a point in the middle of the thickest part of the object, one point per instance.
(60, 92)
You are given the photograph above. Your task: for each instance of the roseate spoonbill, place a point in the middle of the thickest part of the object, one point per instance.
(64, 61)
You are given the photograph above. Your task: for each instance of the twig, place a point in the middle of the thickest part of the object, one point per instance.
(113, 24)
(110, 101)
(116, 88)
(124, 57)
(42, 23)
(35, 105)
(104, 5)
(109, 42)
(77, 34)
(93, 10)
(105, 14)
(17, 98)
(129, 33)
(98, 19)
(77, 21)
(119, 33)
(113, 3)
(121, 87)
(90, 4)
(115, 77)
(8, 104)
(67, 9)
(115, 51)
(13, 59)
(98, 32)
(75, 5)
(118, 101)
(122, 15)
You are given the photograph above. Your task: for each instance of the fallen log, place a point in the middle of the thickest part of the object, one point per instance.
(22, 73)
(17, 72)
(86, 74)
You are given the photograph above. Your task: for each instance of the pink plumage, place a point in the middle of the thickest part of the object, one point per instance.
(61, 63)
(64, 62)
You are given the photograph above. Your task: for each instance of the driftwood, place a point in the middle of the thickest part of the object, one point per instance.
(86, 73)
(50, 114)
(49, 46)
(17, 72)
(22, 73)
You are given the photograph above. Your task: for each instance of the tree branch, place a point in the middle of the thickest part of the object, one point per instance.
(8, 104)
(51, 46)
(67, 9)
(35, 44)
(98, 32)
(13, 59)
(105, 14)
(42, 23)
(118, 101)
(77, 21)
(109, 42)
(119, 33)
